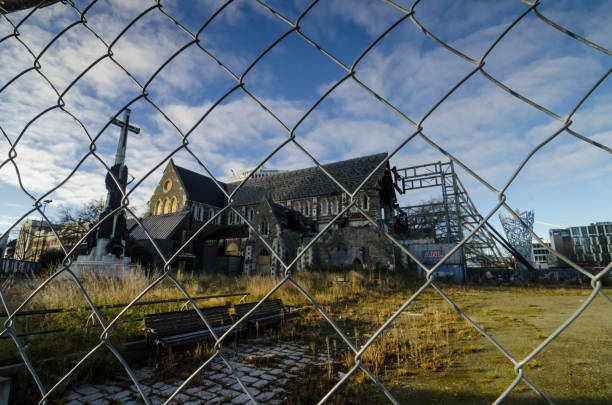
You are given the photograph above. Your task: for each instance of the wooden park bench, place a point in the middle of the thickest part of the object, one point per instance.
(270, 312)
(184, 327)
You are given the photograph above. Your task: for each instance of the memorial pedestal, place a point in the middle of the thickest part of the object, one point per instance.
(98, 262)
(5, 390)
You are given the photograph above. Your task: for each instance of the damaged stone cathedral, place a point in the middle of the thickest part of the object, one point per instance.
(288, 208)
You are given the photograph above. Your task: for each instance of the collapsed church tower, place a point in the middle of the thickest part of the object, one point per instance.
(287, 208)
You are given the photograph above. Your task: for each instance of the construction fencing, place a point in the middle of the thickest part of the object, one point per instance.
(242, 79)
(14, 267)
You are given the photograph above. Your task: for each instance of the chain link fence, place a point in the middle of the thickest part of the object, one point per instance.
(351, 73)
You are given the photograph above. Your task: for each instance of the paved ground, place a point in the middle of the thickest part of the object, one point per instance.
(280, 363)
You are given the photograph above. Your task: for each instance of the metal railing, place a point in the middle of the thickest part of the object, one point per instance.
(14, 267)
(350, 73)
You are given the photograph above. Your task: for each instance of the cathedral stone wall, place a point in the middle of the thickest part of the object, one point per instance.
(283, 240)
(161, 194)
(288, 209)
(353, 245)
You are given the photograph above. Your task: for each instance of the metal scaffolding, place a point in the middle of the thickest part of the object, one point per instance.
(449, 219)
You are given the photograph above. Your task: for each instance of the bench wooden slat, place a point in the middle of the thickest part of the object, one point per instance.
(180, 327)
(189, 319)
(271, 319)
(267, 307)
(269, 312)
(195, 336)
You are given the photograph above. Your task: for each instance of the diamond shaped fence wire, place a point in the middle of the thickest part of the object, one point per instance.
(350, 73)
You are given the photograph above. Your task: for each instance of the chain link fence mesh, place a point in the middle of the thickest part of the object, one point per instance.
(351, 73)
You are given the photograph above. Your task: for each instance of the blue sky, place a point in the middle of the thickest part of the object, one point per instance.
(487, 129)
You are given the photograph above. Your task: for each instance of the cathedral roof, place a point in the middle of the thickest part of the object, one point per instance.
(311, 181)
(159, 226)
(287, 217)
(200, 188)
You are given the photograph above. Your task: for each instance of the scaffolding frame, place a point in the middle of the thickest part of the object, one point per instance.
(451, 218)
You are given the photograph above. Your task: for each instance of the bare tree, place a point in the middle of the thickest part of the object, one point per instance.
(87, 213)
(74, 222)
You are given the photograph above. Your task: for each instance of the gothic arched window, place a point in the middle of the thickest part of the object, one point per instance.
(324, 207)
(263, 227)
(173, 208)
(158, 208)
(166, 206)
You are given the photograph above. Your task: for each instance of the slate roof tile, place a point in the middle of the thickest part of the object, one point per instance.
(159, 226)
(201, 188)
(311, 181)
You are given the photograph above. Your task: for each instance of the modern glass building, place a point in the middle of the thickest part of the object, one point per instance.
(540, 257)
(590, 244)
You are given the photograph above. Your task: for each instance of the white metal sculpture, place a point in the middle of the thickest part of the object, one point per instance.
(518, 235)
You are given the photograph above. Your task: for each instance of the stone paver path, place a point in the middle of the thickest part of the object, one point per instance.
(264, 368)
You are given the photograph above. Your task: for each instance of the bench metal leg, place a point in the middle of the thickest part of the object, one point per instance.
(5, 389)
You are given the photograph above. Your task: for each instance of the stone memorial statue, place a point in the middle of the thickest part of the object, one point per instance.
(106, 246)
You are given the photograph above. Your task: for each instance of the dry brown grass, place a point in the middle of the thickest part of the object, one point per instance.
(321, 286)
(64, 292)
(429, 345)
(422, 342)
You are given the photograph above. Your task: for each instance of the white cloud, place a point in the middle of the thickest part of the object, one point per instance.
(374, 17)
(483, 126)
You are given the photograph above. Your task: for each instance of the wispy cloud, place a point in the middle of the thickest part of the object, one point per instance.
(488, 129)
